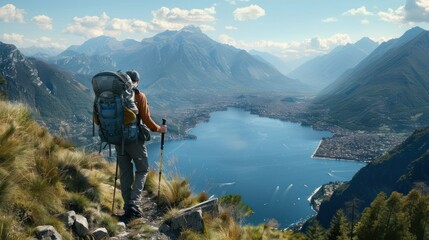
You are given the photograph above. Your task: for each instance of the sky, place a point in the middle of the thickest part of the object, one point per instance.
(291, 29)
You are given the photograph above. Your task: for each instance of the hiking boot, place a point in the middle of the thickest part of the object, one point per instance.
(131, 212)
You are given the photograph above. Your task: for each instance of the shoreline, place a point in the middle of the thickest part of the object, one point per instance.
(317, 148)
(312, 195)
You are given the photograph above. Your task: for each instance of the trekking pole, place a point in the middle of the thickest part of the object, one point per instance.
(114, 189)
(160, 162)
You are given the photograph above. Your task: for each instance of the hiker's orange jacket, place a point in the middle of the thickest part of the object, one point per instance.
(144, 112)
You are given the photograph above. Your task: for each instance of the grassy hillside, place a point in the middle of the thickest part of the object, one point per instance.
(42, 175)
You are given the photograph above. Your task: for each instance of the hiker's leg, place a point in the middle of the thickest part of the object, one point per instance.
(126, 174)
(138, 152)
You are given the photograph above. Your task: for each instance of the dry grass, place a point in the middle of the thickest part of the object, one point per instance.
(175, 192)
(41, 176)
(269, 231)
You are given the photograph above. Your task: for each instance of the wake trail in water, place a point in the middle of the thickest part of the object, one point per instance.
(275, 193)
(287, 190)
(226, 184)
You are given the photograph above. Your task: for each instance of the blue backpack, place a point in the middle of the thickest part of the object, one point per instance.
(115, 111)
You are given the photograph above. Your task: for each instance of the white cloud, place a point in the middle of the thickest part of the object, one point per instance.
(391, 15)
(364, 21)
(44, 42)
(293, 49)
(13, 38)
(413, 11)
(89, 26)
(176, 18)
(9, 13)
(251, 12)
(330, 20)
(163, 19)
(230, 28)
(206, 28)
(44, 22)
(183, 16)
(358, 11)
(233, 2)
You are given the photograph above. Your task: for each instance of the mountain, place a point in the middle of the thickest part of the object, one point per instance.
(51, 92)
(84, 64)
(401, 169)
(189, 60)
(102, 45)
(93, 56)
(178, 63)
(323, 70)
(39, 52)
(388, 90)
(278, 63)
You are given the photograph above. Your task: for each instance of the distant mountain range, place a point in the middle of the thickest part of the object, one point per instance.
(39, 52)
(281, 65)
(103, 45)
(48, 90)
(323, 70)
(401, 169)
(387, 90)
(180, 62)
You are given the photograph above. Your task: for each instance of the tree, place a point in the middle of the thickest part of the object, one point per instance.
(416, 207)
(238, 208)
(370, 224)
(3, 94)
(315, 232)
(397, 221)
(352, 213)
(339, 226)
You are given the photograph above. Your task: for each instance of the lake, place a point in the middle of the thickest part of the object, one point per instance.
(267, 161)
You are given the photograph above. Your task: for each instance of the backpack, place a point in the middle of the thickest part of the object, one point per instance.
(115, 111)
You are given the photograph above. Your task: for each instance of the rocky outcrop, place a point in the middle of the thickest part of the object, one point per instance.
(189, 218)
(68, 218)
(47, 232)
(81, 226)
(100, 233)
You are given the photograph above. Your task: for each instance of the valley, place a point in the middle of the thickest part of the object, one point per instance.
(344, 144)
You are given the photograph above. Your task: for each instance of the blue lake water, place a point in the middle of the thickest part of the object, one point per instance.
(267, 161)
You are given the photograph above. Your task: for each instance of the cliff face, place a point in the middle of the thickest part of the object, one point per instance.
(48, 90)
(401, 169)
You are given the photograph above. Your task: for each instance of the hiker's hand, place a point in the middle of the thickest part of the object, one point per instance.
(163, 129)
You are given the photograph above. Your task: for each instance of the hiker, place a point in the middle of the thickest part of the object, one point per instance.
(132, 183)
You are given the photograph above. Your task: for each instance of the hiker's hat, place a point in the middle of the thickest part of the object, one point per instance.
(134, 75)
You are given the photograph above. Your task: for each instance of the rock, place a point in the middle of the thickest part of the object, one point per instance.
(100, 233)
(47, 232)
(81, 226)
(191, 219)
(121, 227)
(123, 235)
(68, 218)
(210, 206)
